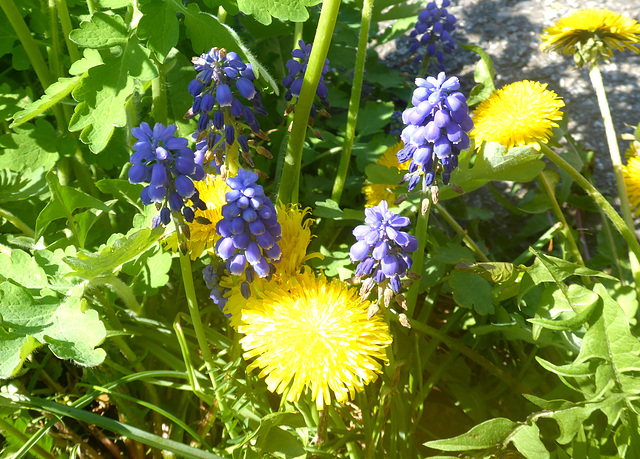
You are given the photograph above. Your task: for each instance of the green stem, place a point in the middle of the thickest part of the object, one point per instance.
(53, 51)
(614, 153)
(194, 311)
(354, 102)
(159, 94)
(28, 42)
(121, 289)
(65, 22)
(15, 221)
(557, 212)
(458, 229)
(288, 192)
(93, 6)
(608, 209)
(418, 256)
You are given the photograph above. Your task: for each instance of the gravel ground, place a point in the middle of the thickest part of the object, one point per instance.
(509, 31)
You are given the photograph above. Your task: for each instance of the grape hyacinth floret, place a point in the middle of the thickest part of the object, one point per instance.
(437, 127)
(382, 250)
(221, 77)
(293, 81)
(249, 228)
(170, 167)
(433, 29)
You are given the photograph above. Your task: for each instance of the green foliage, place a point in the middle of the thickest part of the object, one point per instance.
(263, 10)
(30, 147)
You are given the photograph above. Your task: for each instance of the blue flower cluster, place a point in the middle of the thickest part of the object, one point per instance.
(293, 81)
(435, 25)
(437, 127)
(212, 277)
(170, 167)
(381, 248)
(249, 228)
(220, 76)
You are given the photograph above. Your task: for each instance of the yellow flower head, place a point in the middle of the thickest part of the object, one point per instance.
(212, 190)
(313, 333)
(519, 114)
(592, 34)
(631, 173)
(378, 192)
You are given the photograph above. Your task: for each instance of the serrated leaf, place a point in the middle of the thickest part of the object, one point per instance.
(268, 422)
(551, 269)
(31, 146)
(15, 187)
(91, 58)
(486, 435)
(22, 269)
(110, 259)
(159, 26)
(102, 31)
(103, 95)
(496, 272)
(64, 201)
(52, 95)
(69, 332)
(473, 292)
(578, 299)
(290, 10)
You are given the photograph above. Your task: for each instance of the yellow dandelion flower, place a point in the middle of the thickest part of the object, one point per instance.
(313, 333)
(203, 237)
(376, 193)
(631, 174)
(593, 34)
(519, 114)
(296, 236)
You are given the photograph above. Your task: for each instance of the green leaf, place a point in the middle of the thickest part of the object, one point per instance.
(382, 175)
(111, 258)
(159, 25)
(453, 253)
(15, 187)
(330, 209)
(285, 418)
(263, 10)
(69, 332)
(14, 350)
(373, 117)
(7, 36)
(526, 438)
(493, 162)
(103, 95)
(123, 190)
(486, 435)
(23, 269)
(64, 201)
(578, 299)
(103, 31)
(484, 75)
(52, 95)
(472, 291)
(551, 269)
(496, 272)
(11, 100)
(29, 147)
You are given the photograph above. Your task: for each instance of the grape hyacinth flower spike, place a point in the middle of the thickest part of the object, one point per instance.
(170, 167)
(436, 130)
(223, 118)
(382, 252)
(433, 29)
(293, 81)
(249, 229)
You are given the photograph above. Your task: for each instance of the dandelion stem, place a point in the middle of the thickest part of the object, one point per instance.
(354, 101)
(194, 312)
(557, 212)
(462, 232)
(15, 221)
(614, 153)
(288, 192)
(608, 209)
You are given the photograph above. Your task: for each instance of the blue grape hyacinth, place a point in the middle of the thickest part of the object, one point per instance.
(433, 29)
(223, 118)
(170, 167)
(293, 81)
(382, 249)
(249, 228)
(436, 131)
